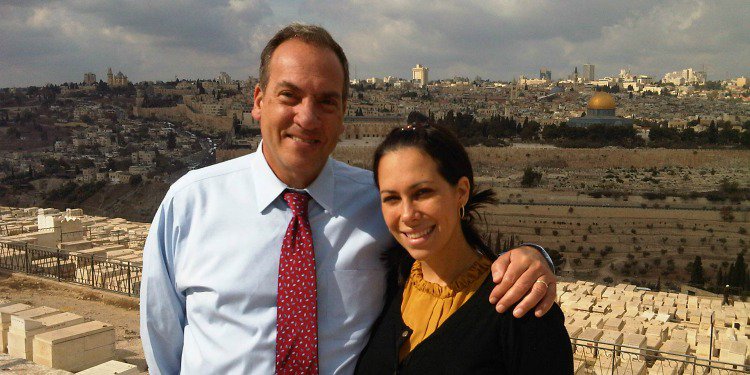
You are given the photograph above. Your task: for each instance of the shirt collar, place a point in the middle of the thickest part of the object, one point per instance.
(268, 187)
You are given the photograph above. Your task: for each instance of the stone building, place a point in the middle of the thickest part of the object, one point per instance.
(116, 80)
(600, 111)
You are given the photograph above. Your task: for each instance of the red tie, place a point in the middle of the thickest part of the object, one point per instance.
(297, 308)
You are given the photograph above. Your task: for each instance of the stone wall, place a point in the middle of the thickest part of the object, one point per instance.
(363, 127)
(181, 112)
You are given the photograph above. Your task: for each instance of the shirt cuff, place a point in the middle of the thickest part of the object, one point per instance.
(544, 253)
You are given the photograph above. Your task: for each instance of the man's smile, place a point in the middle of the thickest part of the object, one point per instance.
(303, 140)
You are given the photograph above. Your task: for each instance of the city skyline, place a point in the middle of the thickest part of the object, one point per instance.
(60, 41)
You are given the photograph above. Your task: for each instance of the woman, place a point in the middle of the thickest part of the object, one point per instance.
(440, 320)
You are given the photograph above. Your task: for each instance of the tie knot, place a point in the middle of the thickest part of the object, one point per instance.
(297, 201)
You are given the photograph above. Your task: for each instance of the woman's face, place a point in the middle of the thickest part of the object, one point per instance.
(419, 206)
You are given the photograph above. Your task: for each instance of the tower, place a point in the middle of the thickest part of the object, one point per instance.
(588, 72)
(89, 79)
(110, 77)
(419, 75)
(545, 73)
(514, 90)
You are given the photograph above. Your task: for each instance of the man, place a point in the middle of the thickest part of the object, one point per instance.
(214, 268)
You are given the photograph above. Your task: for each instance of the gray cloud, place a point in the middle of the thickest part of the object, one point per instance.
(502, 39)
(56, 41)
(213, 27)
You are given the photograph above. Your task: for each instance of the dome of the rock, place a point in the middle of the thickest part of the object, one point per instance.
(601, 100)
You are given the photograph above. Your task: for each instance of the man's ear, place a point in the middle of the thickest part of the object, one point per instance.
(257, 102)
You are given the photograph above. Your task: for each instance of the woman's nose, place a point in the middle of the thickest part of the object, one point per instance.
(409, 212)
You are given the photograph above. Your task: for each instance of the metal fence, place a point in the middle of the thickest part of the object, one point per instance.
(91, 270)
(125, 278)
(612, 358)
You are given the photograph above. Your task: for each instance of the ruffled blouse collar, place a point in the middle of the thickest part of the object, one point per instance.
(463, 283)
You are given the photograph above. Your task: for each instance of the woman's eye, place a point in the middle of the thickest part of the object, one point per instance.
(423, 192)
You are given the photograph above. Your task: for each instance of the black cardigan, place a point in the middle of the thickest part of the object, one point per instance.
(474, 340)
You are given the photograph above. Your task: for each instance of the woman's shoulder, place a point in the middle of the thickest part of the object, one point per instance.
(553, 318)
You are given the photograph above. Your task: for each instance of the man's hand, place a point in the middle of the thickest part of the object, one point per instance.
(516, 272)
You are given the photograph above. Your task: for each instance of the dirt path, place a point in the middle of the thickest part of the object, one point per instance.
(120, 311)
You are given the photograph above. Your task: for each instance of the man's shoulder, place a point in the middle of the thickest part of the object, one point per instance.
(210, 174)
(354, 178)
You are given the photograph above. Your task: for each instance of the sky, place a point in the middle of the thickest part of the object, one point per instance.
(58, 41)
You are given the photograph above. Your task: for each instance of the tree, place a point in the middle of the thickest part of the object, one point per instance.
(171, 141)
(87, 119)
(13, 133)
(726, 213)
(54, 166)
(557, 258)
(737, 276)
(688, 135)
(135, 179)
(745, 138)
(531, 178)
(712, 134)
(529, 130)
(102, 86)
(696, 275)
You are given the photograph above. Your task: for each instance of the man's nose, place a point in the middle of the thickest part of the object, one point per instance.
(307, 114)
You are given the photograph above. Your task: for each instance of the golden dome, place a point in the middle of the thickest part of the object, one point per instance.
(601, 100)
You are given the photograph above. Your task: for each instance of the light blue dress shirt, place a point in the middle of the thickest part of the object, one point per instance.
(211, 260)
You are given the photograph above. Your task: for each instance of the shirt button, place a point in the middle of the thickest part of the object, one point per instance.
(405, 334)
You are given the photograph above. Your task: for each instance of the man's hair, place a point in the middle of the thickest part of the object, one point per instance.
(310, 34)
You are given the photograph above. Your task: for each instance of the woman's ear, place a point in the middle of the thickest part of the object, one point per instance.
(463, 188)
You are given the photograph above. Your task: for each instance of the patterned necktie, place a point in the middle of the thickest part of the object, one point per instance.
(297, 309)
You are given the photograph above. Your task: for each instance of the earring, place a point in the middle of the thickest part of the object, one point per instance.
(462, 212)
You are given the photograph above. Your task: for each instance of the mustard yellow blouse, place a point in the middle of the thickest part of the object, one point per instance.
(427, 305)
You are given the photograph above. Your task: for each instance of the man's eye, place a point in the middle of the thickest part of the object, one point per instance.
(288, 95)
(329, 104)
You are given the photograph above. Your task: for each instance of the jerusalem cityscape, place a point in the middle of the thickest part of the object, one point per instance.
(620, 145)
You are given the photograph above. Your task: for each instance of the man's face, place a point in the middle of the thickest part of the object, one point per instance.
(301, 111)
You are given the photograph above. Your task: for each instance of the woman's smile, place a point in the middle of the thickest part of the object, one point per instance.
(415, 235)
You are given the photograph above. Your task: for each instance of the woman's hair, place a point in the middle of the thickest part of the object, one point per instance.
(452, 164)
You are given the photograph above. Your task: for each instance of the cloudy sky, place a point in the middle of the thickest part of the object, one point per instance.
(57, 41)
